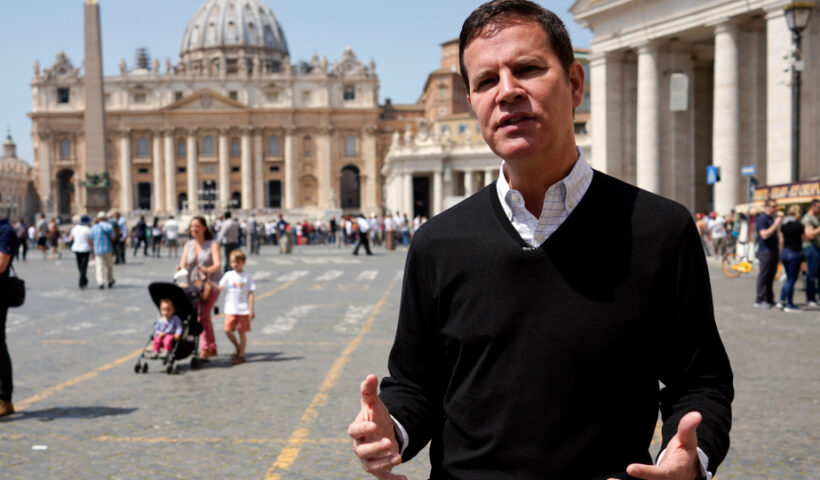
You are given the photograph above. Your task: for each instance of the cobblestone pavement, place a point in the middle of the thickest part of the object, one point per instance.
(325, 320)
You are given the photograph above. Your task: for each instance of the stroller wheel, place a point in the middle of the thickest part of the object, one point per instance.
(195, 363)
(169, 370)
(144, 368)
(137, 368)
(176, 368)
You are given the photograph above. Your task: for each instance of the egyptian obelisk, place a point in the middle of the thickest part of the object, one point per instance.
(96, 176)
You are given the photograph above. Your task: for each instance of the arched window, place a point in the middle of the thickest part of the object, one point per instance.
(349, 187)
(208, 145)
(181, 148)
(273, 145)
(65, 149)
(182, 201)
(235, 150)
(307, 146)
(350, 145)
(236, 200)
(142, 147)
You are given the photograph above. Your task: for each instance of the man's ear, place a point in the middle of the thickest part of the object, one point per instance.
(576, 83)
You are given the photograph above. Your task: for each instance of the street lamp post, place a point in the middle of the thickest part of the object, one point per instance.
(797, 17)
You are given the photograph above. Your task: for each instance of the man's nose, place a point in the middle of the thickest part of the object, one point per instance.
(510, 89)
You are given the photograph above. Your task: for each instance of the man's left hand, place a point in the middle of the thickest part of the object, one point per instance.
(680, 462)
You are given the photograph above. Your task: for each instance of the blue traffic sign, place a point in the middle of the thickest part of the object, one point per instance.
(712, 174)
(748, 170)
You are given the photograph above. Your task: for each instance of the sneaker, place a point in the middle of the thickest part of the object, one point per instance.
(811, 303)
(791, 309)
(111, 283)
(6, 408)
(764, 305)
(779, 304)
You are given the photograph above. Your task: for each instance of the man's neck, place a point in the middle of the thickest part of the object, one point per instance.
(534, 178)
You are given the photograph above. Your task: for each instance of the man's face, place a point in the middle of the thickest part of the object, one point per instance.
(769, 208)
(815, 209)
(519, 91)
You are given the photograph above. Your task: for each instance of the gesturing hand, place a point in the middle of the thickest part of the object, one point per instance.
(680, 460)
(372, 432)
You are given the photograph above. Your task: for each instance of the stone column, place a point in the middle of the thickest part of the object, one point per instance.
(778, 99)
(224, 170)
(290, 168)
(324, 157)
(258, 174)
(407, 190)
(126, 184)
(469, 183)
(371, 169)
(170, 172)
(490, 175)
(247, 170)
(45, 170)
(438, 196)
(606, 108)
(191, 172)
(158, 188)
(726, 115)
(648, 119)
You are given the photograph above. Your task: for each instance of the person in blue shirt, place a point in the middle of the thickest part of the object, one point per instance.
(8, 245)
(102, 238)
(767, 225)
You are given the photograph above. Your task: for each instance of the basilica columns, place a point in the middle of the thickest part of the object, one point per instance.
(170, 172)
(648, 158)
(407, 190)
(606, 99)
(469, 183)
(191, 170)
(126, 183)
(490, 175)
(290, 168)
(438, 190)
(371, 168)
(45, 170)
(158, 188)
(258, 174)
(224, 171)
(246, 169)
(323, 156)
(778, 103)
(726, 111)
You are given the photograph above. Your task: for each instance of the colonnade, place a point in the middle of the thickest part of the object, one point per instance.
(445, 183)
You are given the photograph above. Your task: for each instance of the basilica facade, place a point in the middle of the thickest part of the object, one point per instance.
(234, 123)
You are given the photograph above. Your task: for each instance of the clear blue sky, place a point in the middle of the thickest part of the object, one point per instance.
(402, 37)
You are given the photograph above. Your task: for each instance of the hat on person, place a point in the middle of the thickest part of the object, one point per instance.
(85, 219)
(100, 215)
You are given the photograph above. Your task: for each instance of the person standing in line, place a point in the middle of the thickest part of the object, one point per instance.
(53, 237)
(42, 235)
(21, 230)
(509, 357)
(228, 236)
(364, 233)
(172, 236)
(811, 251)
(102, 238)
(203, 261)
(8, 245)
(80, 239)
(767, 224)
(793, 233)
(156, 238)
(239, 287)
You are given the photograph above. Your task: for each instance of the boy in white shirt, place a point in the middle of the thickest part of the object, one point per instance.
(239, 287)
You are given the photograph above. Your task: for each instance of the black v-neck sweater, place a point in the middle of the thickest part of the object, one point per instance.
(542, 363)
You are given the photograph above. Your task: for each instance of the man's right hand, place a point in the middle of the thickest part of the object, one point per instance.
(372, 432)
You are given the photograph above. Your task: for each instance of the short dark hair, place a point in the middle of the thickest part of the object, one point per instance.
(814, 202)
(517, 10)
(228, 214)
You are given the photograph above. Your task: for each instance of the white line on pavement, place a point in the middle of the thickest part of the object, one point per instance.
(353, 319)
(367, 275)
(332, 274)
(295, 275)
(285, 323)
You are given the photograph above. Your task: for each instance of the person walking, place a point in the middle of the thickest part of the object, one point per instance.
(102, 238)
(8, 245)
(172, 236)
(140, 237)
(239, 287)
(716, 226)
(203, 261)
(793, 233)
(156, 238)
(53, 238)
(363, 230)
(80, 240)
(811, 251)
(42, 235)
(228, 236)
(120, 225)
(21, 230)
(253, 234)
(282, 235)
(510, 360)
(767, 224)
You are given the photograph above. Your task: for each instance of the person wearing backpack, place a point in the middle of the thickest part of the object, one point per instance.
(8, 245)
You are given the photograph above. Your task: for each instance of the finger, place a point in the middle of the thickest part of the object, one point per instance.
(369, 389)
(360, 429)
(373, 450)
(687, 429)
(646, 472)
(390, 476)
(380, 465)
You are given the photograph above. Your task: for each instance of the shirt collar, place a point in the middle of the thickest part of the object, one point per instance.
(575, 184)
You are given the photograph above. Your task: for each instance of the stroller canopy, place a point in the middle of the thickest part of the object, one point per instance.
(181, 301)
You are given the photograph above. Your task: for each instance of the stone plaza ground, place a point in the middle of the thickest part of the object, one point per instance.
(325, 319)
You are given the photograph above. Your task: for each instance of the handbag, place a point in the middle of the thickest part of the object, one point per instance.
(14, 290)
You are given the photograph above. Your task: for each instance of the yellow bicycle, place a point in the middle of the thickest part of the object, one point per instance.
(734, 265)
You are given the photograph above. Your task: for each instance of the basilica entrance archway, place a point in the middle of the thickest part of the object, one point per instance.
(65, 192)
(350, 188)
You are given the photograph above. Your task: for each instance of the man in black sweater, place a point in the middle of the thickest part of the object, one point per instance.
(523, 349)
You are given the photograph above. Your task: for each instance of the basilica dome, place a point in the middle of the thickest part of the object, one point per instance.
(224, 32)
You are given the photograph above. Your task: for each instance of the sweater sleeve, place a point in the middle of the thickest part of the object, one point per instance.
(412, 392)
(695, 370)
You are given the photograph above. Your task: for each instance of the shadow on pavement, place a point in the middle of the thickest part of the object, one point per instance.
(225, 361)
(55, 413)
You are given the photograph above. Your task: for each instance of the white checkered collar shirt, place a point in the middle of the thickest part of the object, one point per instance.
(560, 200)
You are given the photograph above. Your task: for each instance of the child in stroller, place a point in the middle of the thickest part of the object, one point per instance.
(168, 329)
(183, 303)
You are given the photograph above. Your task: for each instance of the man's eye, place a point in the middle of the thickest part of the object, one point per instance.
(484, 83)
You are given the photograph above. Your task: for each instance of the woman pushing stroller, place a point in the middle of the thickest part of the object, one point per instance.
(203, 261)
